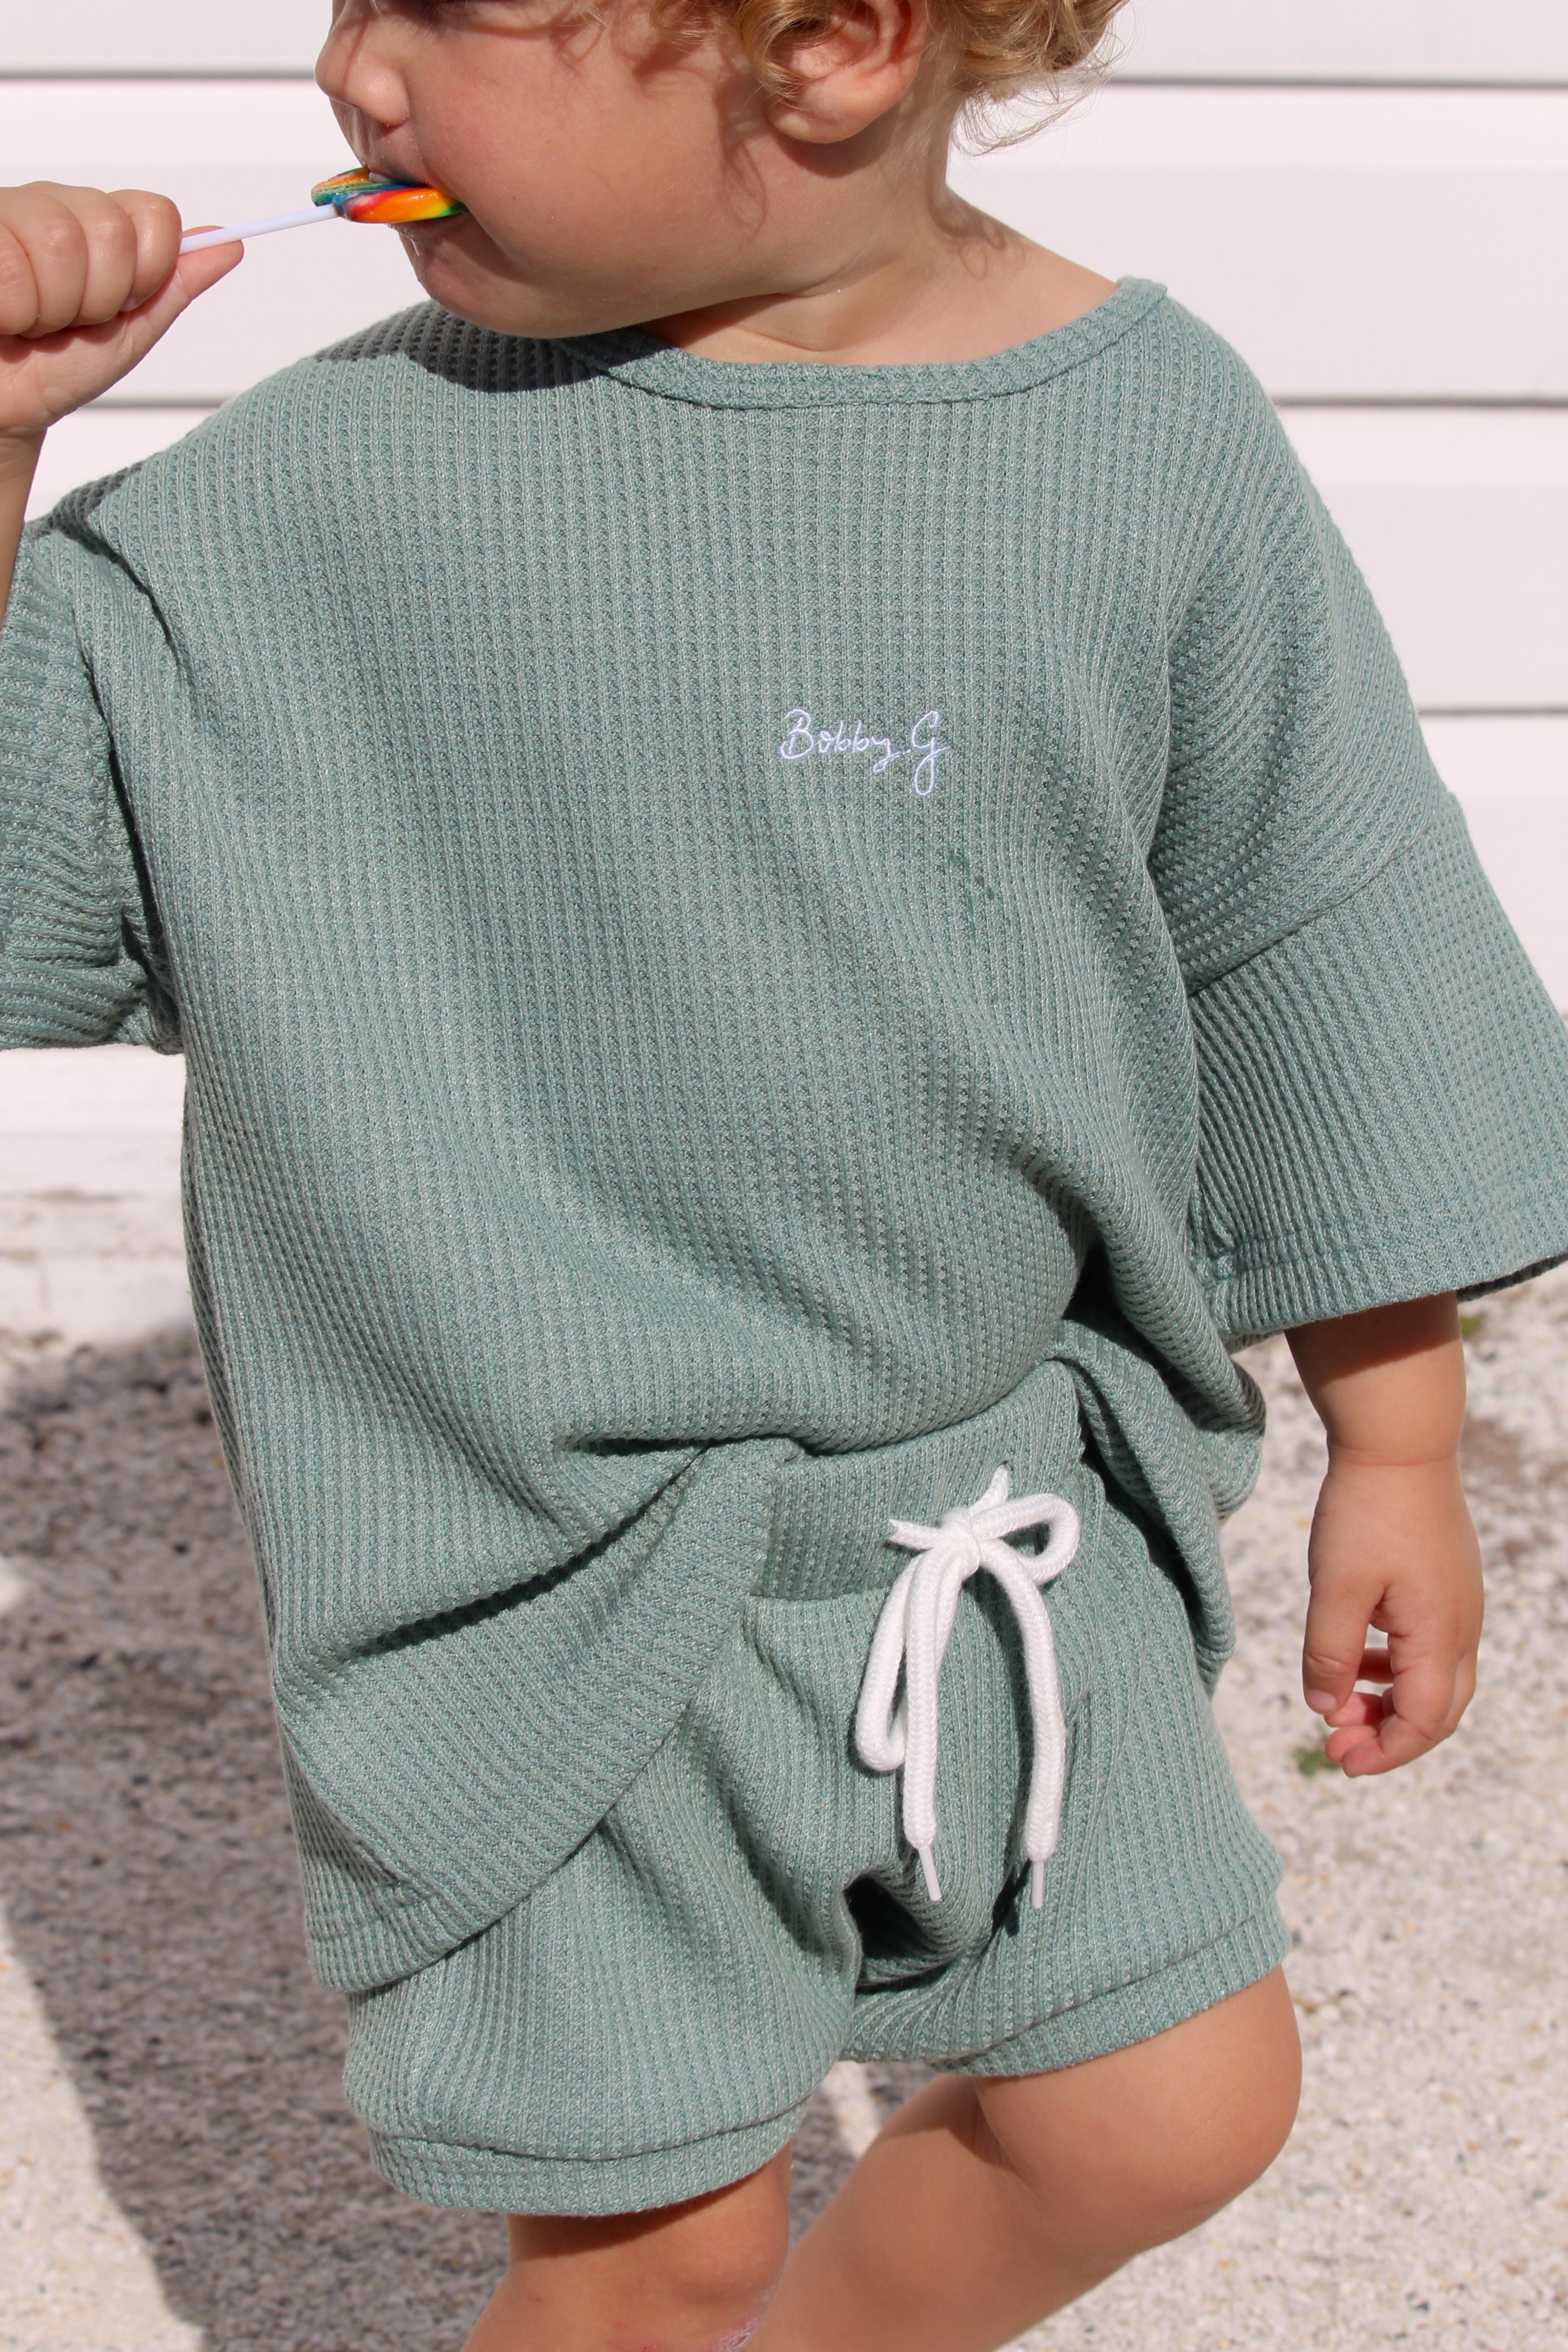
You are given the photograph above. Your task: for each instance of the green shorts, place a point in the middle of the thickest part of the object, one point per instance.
(652, 2022)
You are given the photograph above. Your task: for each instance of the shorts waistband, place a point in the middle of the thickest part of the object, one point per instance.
(832, 1512)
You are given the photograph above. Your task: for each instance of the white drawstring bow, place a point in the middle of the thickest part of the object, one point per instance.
(912, 1635)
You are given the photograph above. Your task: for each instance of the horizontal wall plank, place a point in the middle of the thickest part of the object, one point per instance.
(163, 35)
(1353, 244)
(1459, 519)
(1502, 763)
(1324, 232)
(1372, 40)
(1348, 40)
(90, 1194)
(224, 153)
(58, 130)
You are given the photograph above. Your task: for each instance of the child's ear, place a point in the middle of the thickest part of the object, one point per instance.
(848, 76)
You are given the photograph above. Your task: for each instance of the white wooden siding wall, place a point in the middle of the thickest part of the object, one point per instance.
(1375, 215)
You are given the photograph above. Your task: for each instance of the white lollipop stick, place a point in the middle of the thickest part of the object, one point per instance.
(269, 227)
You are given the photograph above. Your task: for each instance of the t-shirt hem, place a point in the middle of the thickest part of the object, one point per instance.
(1276, 1283)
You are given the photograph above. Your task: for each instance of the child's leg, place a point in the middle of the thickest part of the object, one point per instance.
(984, 2205)
(685, 2278)
(988, 2202)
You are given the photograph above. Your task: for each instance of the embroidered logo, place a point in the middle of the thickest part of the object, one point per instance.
(807, 740)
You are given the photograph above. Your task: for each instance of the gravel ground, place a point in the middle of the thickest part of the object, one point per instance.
(146, 1870)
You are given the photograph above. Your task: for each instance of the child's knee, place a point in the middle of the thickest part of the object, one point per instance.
(1152, 2141)
(696, 2276)
(1233, 2144)
(723, 2263)
(1224, 2108)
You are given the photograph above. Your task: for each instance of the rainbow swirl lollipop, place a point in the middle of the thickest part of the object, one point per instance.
(379, 203)
(360, 196)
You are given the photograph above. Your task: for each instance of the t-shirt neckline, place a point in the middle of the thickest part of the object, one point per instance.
(642, 362)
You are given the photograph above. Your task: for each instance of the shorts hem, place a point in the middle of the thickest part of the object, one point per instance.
(494, 2180)
(1130, 2013)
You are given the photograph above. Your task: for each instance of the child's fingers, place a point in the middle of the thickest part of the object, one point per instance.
(18, 290)
(1376, 1731)
(87, 284)
(75, 258)
(194, 272)
(1385, 1729)
(43, 271)
(1343, 1743)
(156, 222)
(1376, 1667)
(1358, 1722)
(1334, 1642)
(1393, 1553)
(1361, 1706)
(192, 275)
(109, 246)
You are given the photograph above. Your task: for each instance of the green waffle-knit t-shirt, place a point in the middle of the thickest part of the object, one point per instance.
(726, 923)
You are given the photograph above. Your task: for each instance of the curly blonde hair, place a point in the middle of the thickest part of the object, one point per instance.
(994, 49)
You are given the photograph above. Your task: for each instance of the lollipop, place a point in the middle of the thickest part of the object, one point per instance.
(360, 196)
(367, 196)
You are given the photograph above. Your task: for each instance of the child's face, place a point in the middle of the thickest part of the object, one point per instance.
(611, 174)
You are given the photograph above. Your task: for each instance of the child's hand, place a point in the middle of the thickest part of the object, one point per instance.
(1392, 1548)
(89, 282)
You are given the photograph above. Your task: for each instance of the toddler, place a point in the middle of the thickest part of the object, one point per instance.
(798, 884)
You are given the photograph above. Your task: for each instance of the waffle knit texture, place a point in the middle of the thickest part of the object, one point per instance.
(727, 924)
(650, 2022)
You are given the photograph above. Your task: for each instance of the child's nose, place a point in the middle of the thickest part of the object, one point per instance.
(360, 67)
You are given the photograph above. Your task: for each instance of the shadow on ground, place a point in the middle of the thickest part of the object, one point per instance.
(148, 1874)
(147, 1869)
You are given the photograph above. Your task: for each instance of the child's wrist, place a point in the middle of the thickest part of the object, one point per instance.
(1389, 1384)
(19, 450)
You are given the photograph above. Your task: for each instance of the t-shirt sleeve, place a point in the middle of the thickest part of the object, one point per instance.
(79, 962)
(1383, 1079)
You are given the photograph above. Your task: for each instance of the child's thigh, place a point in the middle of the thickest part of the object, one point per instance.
(1170, 2129)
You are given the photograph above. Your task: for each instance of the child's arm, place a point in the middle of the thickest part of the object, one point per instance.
(89, 282)
(1391, 1544)
(18, 463)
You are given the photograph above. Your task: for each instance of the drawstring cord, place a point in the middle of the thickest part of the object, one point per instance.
(912, 1635)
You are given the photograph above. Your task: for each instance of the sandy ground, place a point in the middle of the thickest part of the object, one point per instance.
(178, 2174)
(1423, 2198)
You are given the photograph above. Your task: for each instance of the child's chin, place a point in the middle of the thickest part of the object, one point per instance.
(502, 304)
(471, 290)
